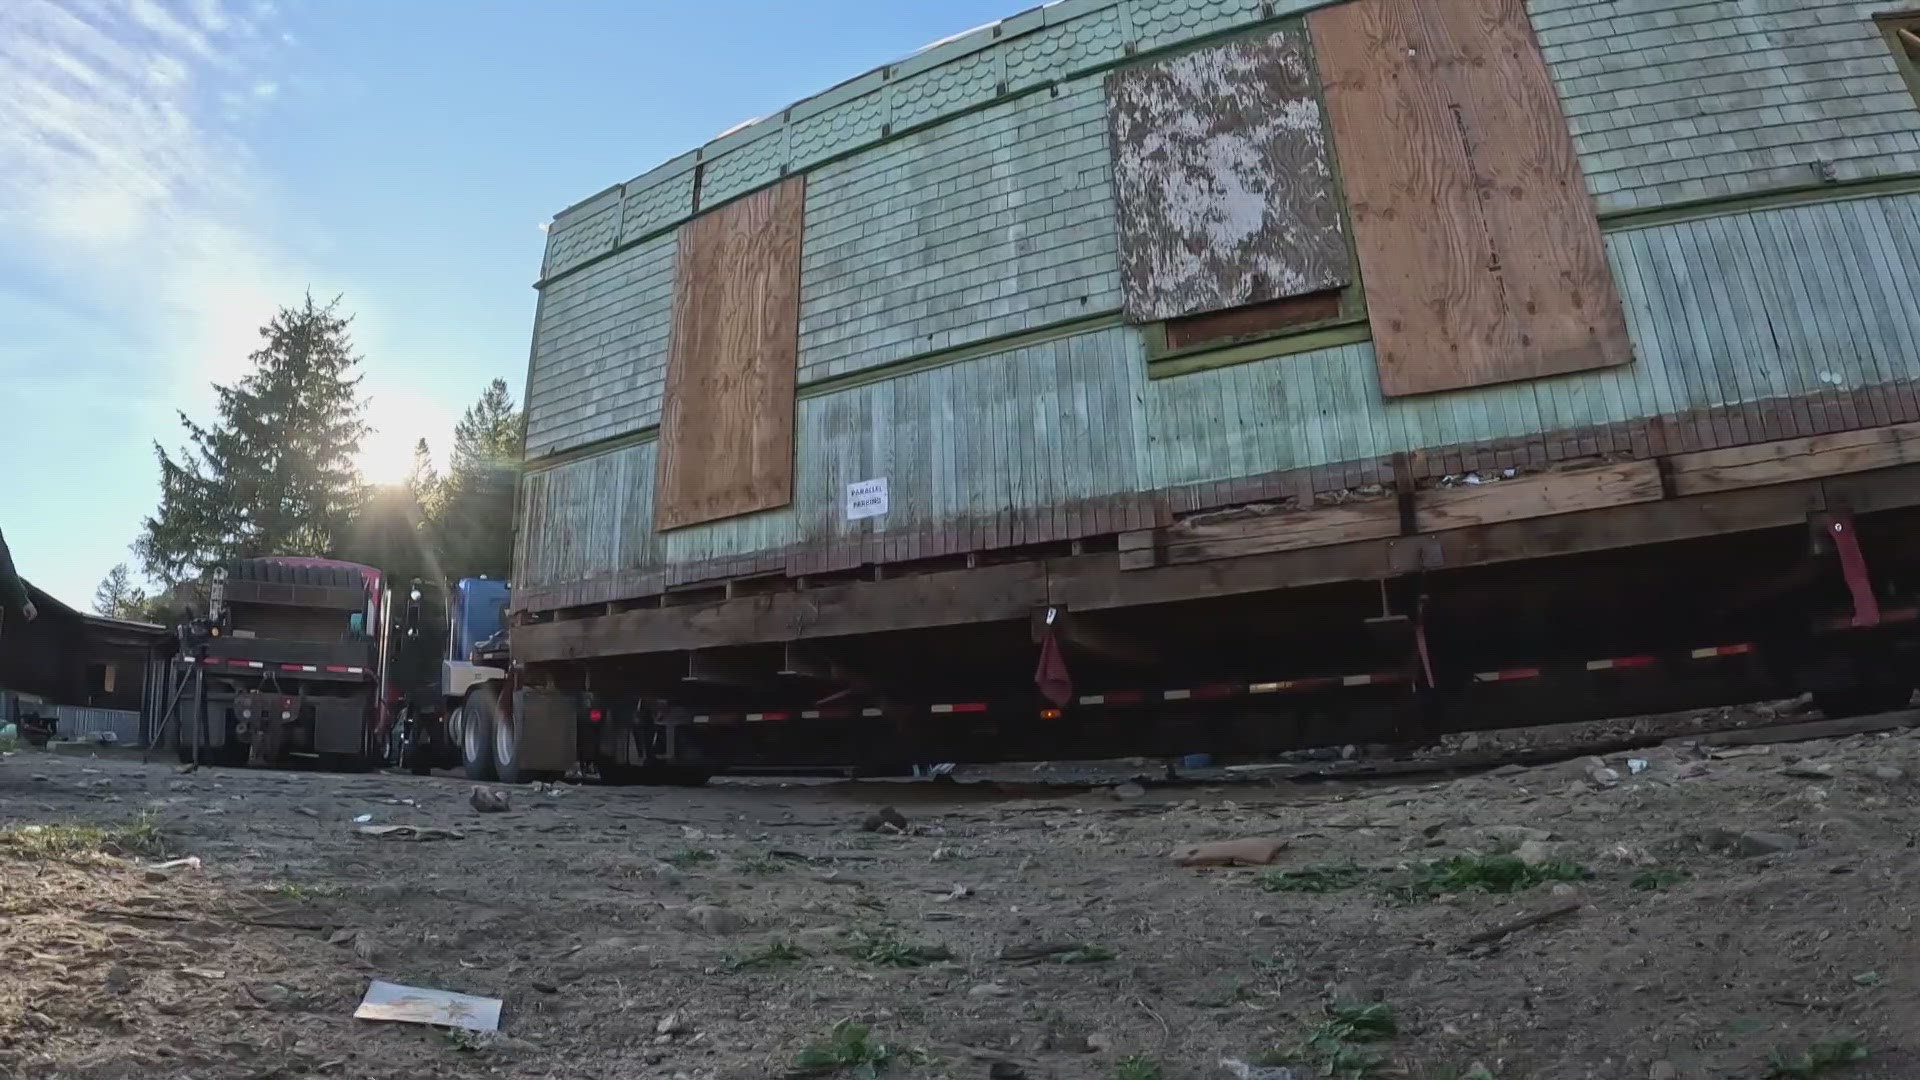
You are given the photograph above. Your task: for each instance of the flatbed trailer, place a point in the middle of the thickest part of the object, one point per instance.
(942, 416)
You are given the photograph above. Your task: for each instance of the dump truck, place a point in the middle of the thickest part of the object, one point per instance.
(288, 667)
(1155, 376)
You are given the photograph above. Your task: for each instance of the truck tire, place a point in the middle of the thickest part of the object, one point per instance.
(476, 733)
(503, 734)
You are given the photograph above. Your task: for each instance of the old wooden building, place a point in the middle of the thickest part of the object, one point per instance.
(1023, 318)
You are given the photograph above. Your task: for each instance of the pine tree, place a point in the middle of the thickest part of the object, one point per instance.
(476, 499)
(118, 597)
(275, 475)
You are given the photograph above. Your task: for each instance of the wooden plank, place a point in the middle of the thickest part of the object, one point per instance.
(1221, 175)
(1795, 459)
(1481, 254)
(1187, 543)
(726, 432)
(1003, 593)
(1815, 729)
(1537, 496)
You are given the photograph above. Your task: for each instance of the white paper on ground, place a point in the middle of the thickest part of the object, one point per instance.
(415, 1005)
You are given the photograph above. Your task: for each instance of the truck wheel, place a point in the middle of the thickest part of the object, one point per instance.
(476, 733)
(504, 735)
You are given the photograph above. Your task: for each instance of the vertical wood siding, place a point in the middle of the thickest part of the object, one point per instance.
(1809, 300)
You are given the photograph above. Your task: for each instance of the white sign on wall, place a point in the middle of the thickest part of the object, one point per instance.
(867, 498)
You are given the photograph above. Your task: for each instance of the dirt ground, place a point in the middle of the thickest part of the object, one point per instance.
(1714, 908)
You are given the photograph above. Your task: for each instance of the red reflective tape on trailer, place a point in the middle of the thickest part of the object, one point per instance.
(209, 659)
(1723, 650)
(1216, 691)
(336, 669)
(1126, 697)
(776, 716)
(1619, 662)
(962, 707)
(1509, 675)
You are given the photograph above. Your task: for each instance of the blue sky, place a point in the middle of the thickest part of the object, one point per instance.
(171, 170)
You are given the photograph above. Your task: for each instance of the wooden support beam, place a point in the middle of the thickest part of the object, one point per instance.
(1540, 495)
(1010, 592)
(1795, 459)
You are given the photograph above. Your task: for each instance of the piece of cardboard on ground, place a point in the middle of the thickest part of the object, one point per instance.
(1247, 851)
(417, 1005)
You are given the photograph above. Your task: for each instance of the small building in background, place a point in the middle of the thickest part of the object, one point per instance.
(92, 673)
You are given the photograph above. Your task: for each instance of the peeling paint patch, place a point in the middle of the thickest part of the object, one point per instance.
(1221, 170)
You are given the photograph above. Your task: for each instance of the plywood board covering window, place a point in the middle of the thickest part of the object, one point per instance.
(726, 429)
(1221, 170)
(1478, 244)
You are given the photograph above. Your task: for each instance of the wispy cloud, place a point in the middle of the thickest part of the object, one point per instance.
(126, 174)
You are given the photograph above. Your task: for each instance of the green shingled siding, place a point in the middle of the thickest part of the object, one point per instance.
(1677, 100)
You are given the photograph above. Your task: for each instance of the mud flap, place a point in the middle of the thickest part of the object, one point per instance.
(547, 729)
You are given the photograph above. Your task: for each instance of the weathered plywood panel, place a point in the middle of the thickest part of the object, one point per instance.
(1221, 173)
(1482, 257)
(726, 436)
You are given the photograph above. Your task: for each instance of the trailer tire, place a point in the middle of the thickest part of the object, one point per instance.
(476, 733)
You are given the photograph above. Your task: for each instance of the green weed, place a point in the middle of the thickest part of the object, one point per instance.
(888, 951)
(1086, 954)
(850, 1047)
(688, 858)
(760, 864)
(1137, 1067)
(83, 843)
(293, 890)
(1502, 873)
(1337, 1046)
(777, 954)
(1314, 879)
(1826, 1056)
(1658, 878)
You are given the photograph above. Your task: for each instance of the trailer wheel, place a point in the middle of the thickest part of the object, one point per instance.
(476, 733)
